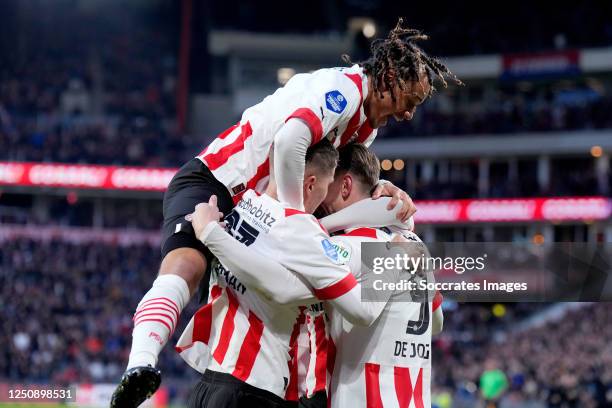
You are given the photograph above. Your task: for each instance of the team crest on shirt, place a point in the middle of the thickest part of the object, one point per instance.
(335, 101)
(330, 251)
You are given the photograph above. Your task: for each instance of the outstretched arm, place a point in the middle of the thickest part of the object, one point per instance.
(368, 212)
(272, 280)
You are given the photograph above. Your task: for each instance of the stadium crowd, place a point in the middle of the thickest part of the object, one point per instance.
(563, 363)
(55, 122)
(66, 316)
(107, 99)
(509, 109)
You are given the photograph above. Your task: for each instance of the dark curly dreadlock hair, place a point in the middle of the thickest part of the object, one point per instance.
(399, 52)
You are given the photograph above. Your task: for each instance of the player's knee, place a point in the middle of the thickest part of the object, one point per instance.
(188, 263)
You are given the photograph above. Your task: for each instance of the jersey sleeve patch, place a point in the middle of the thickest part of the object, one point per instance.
(330, 251)
(335, 101)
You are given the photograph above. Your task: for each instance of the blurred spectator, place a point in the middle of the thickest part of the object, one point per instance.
(66, 313)
(564, 363)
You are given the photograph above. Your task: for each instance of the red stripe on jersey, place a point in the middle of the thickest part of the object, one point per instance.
(437, 301)
(202, 320)
(337, 289)
(292, 388)
(312, 121)
(364, 132)
(227, 329)
(218, 159)
(154, 320)
(221, 136)
(372, 384)
(292, 211)
(226, 132)
(161, 300)
(356, 78)
(321, 354)
(404, 390)
(262, 171)
(418, 390)
(362, 232)
(353, 124)
(250, 348)
(403, 386)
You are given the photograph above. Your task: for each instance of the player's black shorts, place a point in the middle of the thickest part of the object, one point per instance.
(191, 185)
(220, 390)
(318, 400)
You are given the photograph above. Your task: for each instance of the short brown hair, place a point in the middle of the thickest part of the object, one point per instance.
(358, 160)
(323, 155)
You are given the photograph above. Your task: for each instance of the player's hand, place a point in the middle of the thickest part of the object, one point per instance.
(204, 214)
(387, 189)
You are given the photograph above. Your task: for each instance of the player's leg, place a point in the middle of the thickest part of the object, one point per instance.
(182, 269)
(154, 321)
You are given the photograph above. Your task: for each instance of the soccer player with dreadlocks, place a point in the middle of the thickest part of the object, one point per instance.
(342, 105)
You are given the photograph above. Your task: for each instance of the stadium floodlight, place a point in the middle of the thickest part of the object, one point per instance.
(369, 29)
(365, 25)
(284, 74)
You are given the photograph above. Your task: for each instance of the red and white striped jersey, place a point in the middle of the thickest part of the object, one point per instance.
(329, 101)
(313, 350)
(239, 331)
(387, 364)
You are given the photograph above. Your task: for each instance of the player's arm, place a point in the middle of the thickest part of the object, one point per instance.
(280, 285)
(290, 145)
(437, 323)
(335, 283)
(311, 121)
(385, 188)
(268, 277)
(376, 212)
(318, 263)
